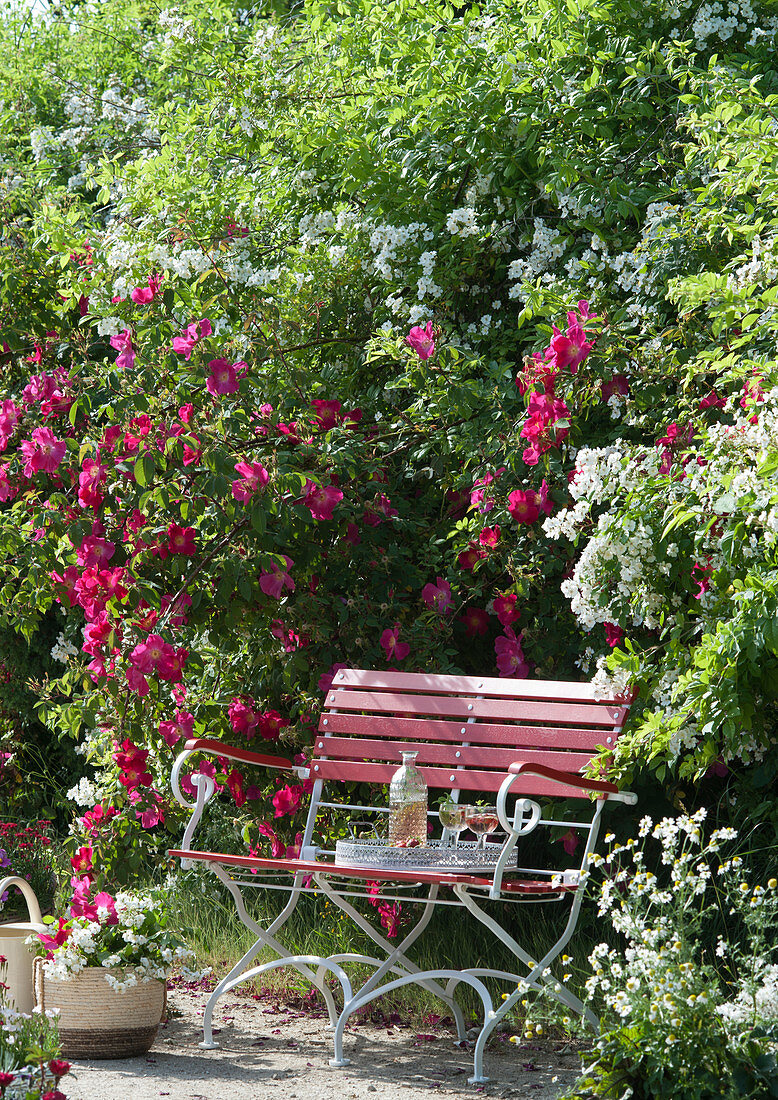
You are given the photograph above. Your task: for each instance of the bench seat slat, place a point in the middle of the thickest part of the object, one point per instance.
(309, 867)
(482, 733)
(589, 714)
(467, 779)
(353, 748)
(505, 688)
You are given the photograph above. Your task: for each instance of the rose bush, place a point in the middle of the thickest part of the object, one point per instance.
(332, 343)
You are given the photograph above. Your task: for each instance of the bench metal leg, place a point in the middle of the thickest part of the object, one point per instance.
(536, 976)
(265, 938)
(315, 968)
(396, 960)
(425, 978)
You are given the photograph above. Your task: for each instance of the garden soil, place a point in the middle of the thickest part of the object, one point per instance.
(270, 1050)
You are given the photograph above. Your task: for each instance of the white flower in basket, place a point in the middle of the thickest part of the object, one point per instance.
(104, 968)
(127, 932)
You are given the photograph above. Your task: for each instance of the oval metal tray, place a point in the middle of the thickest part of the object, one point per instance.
(375, 853)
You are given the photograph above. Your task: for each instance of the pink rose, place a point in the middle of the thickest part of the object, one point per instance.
(223, 378)
(192, 334)
(510, 658)
(321, 499)
(142, 295)
(475, 621)
(42, 452)
(94, 551)
(89, 480)
(181, 540)
(276, 579)
(523, 506)
(421, 340)
(287, 800)
(490, 536)
(253, 477)
(123, 344)
(505, 609)
(394, 649)
(438, 596)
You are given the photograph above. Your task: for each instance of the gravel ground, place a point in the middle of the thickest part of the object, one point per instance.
(271, 1050)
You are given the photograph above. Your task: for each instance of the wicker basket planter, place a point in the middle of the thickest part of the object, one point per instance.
(97, 1022)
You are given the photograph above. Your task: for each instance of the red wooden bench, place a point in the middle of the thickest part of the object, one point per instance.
(506, 741)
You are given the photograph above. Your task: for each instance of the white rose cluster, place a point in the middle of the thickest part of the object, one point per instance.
(619, 574)
(85, 793)
(177, 28)
(41, 140)
(761, 269)
(97, 122)
(613, 577)
(387, 240)
(547, 247)
(63, 650)
(607, 684)
(721, 20)
(463, 222)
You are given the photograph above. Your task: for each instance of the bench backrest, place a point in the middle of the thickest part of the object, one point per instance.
(467, 730)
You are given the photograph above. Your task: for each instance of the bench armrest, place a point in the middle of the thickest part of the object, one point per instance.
(526, 816)
(246, 756)
(526, 767)
(600, 786)
(204, 784)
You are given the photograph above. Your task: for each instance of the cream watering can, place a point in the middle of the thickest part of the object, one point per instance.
(19, 957)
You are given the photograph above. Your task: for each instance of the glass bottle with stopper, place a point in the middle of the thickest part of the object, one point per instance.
(408, 805)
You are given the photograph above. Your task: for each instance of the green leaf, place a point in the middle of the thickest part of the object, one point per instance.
(679, 519)
(258, 519)
(769, 466)
(144, 469)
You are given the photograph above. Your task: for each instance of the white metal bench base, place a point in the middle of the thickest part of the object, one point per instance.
(314, 967)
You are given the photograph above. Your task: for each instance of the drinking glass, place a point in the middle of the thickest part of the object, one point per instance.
(452, 817)
(365, 830)
(483, 820)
